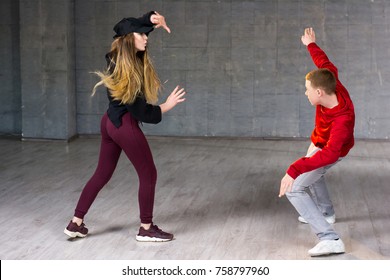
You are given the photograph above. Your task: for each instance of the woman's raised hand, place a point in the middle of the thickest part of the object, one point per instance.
(176, 97)
(159, 21)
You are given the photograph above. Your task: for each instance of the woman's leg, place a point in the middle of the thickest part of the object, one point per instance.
(108, 159)
(133, 142)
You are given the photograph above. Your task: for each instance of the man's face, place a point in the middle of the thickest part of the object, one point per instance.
(312, 94)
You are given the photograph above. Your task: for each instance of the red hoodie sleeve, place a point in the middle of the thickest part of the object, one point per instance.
(341, 131)
(320, 59)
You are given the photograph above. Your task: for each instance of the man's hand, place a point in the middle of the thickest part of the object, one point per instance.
(286, 185)
(308, 36)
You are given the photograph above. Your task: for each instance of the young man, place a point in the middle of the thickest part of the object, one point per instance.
(332, 138)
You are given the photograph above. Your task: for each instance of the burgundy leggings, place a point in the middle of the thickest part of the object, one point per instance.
(129, 138)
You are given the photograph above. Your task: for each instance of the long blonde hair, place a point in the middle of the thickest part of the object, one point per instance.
(130, 73)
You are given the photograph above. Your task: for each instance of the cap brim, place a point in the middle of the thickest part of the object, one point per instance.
(144, 29)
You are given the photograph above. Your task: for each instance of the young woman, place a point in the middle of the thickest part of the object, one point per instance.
(132, 88)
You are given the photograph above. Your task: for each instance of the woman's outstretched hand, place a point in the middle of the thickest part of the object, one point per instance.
(176, 97)
(159, 21)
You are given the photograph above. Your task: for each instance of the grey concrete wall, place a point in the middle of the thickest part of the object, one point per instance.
(241, 62)
(243, 65)
(10, 96)
(47, 54)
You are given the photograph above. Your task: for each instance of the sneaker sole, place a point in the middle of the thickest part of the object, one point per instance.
(326, 253)
(73, 234)
(150, 239)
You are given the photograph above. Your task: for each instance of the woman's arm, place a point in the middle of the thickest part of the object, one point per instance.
(173, 99)
(159, 21)
(148, 113)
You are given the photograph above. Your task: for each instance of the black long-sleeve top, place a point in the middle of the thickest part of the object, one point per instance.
(139, 109)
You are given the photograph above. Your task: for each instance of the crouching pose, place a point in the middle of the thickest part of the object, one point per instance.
(331, 140)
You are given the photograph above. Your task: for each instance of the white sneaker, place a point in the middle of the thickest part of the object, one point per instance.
(329, 219)
(327, 247)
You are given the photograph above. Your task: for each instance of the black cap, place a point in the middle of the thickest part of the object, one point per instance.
(130, 25)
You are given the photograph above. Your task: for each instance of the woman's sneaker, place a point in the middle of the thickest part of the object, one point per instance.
(73, 230)
(329, 219)
(153, 234)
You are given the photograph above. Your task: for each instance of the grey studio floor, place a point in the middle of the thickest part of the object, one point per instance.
(219, 197)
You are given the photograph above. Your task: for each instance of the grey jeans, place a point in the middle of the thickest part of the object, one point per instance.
(309, 195)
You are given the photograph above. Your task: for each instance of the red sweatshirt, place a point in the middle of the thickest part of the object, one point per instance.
(333, 131)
